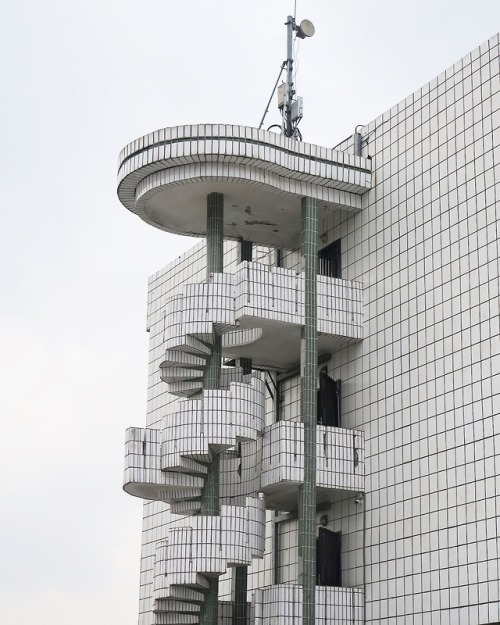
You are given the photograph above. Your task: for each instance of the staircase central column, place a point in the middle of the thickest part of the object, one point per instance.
(211, 381)
(308, 401)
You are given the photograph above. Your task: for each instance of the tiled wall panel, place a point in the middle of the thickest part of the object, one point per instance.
(423, 385)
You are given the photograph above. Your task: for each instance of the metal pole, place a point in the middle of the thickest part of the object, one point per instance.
(287, 109)
(308, 400)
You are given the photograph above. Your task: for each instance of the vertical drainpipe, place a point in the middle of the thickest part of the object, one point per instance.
(240, 579)
(211, 381)
(308, 365)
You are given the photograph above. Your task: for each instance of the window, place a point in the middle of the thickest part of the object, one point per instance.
(329, 260)
(328, 558)
(328, 400)
(278, 404)
(245, 250)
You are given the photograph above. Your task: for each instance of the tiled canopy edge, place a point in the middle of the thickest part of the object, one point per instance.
(234, 155)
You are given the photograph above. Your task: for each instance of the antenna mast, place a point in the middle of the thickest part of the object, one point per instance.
(290, 91)
(291, 108)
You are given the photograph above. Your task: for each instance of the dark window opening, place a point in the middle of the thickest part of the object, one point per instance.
(278, 404)
(329, 260)
(246, 250)
(328, 558)
(246, 365)
(328, 400)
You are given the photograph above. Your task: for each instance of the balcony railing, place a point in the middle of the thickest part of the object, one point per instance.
(282, 605)
(260, 311)
(339, 462)
(277, 294)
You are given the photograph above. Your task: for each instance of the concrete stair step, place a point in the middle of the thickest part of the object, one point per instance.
(175, 358)
(186, 594)
(185, 388)
(187, 507)
(176, 606)
(167, 618)
(188, 465)
(179, 374)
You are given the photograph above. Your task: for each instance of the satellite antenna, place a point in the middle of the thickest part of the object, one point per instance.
(291, 107)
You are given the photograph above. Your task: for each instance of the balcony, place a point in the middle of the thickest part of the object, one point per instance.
(260, 312)
(339, 463)
(272, 300)
(282, 605)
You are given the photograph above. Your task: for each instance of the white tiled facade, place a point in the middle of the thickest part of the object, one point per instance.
(419, 508)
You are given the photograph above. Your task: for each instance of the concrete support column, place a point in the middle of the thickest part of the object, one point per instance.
(308, 382)
(210, 607)
(211, 380)
(215, 233)
(240, 595)
(240, 575)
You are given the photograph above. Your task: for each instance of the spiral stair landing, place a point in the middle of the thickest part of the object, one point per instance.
(193, 320)
(258, 311)
(199, 548)
(170, 464)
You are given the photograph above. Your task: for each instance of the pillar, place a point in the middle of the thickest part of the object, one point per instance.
(211, 381)
(308, 399)
(240, 575)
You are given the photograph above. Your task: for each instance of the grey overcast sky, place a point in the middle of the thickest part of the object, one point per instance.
(79, 81)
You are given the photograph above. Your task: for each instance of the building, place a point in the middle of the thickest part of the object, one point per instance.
(341, 466)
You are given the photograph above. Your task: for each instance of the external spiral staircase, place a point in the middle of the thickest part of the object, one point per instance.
(186, 561)
(171, 464)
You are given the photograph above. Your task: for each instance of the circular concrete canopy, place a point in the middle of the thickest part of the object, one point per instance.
(250, 212)
(166, 176)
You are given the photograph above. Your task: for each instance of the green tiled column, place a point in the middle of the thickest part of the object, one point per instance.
(308, 382)
(215, 233)
(240, 575)
(211, 380)
(240, 595)
(210, 607)
(211, 374)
